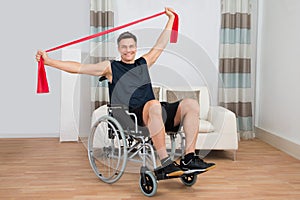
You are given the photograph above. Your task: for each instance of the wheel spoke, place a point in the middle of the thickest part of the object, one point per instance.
(106, 156)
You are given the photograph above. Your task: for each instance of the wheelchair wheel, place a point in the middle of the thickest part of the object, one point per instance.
(189, 179)
(107, 149)
(149, 184)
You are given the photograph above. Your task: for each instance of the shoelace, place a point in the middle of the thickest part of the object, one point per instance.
(199, 160)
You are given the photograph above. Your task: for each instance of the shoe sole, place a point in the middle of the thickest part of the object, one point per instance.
(189, 171)
(177, 173)
(211, 167)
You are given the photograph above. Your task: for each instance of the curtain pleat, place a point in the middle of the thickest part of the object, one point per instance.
(101, 48)
(235, 87)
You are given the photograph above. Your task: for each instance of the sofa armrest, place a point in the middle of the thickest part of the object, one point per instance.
(99, 112)
(223, 120)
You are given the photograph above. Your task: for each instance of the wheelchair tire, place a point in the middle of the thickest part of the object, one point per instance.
(149, 184)
(107, 149)
(189, 179)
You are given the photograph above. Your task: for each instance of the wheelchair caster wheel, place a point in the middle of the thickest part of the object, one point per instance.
(148, 184)
(189, 179)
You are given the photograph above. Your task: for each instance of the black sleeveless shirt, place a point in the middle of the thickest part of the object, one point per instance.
(131, 84)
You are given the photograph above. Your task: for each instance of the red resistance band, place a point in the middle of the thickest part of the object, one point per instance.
(42, 84)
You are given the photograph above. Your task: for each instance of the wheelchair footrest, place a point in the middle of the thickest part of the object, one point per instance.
(186, 173)
(161, 175)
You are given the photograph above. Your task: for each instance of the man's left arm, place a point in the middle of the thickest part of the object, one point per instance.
(162, 41)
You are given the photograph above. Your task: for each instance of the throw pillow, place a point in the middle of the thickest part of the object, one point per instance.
(173, 96)
(156, 91)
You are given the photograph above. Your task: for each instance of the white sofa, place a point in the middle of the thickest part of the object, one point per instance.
(217, 129)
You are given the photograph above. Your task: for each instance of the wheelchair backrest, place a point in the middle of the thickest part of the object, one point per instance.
(119, 113)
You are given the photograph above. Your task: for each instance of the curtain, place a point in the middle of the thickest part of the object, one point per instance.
(101, 48)
(236, 88)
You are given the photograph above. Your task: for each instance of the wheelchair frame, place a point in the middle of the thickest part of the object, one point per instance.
(113, 141)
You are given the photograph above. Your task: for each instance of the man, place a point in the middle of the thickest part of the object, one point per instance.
(130, 84)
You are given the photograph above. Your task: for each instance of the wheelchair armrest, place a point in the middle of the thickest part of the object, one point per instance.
(135, 119)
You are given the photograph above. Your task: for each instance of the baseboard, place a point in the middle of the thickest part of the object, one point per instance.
(29, 135)
(280, 143)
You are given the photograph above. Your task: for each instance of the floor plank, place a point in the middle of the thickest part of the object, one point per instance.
(47, 169)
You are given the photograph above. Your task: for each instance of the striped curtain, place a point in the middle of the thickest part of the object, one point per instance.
(235, 90)
(101, 48)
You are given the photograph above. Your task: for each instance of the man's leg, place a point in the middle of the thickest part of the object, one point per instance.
(188, 114)
(152, 116)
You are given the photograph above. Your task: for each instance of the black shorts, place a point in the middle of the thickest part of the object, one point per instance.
(168, 113)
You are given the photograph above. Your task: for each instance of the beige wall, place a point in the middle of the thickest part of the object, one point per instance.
(278, 93)
(25, 27)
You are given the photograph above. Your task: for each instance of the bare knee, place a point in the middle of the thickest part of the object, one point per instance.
(151, 109)
(154, 108)
(190, 105)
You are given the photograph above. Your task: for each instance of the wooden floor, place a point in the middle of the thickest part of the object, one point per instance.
(47, 169)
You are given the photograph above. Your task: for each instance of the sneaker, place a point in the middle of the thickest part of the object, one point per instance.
(171, 170)
(196, 165)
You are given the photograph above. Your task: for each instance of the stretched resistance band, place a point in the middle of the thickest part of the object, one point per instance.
(42, 85)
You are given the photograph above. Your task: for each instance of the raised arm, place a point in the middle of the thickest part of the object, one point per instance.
(162, 41)
(99, 69)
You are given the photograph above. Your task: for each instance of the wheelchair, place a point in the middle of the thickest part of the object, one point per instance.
(116, 139)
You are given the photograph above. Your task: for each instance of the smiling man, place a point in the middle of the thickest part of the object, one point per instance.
(130, 85)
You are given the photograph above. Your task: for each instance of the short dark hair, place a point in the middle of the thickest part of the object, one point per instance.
(126, 35)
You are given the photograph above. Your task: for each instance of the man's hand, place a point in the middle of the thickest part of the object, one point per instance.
(170, 12)
(42, 54)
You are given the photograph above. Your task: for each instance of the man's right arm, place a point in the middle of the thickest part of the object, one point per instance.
(98, 69)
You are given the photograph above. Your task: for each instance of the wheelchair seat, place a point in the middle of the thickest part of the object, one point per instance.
(128, 120)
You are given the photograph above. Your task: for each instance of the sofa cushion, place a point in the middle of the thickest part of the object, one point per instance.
(175, 95)
(205, 127)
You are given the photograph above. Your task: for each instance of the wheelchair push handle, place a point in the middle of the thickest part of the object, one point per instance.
(102, 78)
